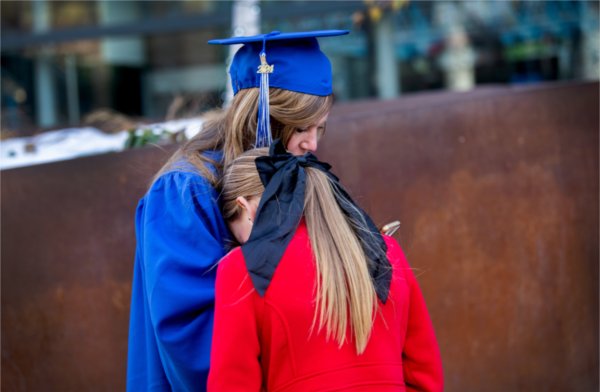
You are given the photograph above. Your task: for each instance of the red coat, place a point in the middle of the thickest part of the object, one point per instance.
(264, 342)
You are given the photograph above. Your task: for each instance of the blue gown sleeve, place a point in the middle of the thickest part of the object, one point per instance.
(180, 235)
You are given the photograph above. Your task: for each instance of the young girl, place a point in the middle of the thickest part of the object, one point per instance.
(315, 298)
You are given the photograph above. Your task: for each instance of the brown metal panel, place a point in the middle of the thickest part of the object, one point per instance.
(497, 191)
(67, 254)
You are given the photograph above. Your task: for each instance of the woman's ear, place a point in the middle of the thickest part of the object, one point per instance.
(248, 206)
(243, 204)
(241, 226)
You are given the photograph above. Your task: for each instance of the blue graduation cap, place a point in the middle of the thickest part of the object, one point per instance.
(290, 61)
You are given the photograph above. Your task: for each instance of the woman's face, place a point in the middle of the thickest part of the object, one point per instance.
(305, 140)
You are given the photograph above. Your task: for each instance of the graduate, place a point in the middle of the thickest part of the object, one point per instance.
(282, 86)
(315, 298)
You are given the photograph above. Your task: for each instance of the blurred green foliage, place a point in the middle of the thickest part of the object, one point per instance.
(142, 137)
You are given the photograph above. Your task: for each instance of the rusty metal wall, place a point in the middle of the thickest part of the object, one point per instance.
(497, 192)
(496, 189)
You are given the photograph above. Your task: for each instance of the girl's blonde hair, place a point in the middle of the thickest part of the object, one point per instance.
(345, 294)
(233, 130)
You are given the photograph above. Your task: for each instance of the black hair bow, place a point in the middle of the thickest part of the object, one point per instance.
(281, 208)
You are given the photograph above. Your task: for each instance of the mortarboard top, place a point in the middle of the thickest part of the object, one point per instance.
(299, 64)
(277, 36)
(290, 61)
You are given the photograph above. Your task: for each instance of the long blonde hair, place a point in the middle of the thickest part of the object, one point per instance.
(233, 130)
(345, 294)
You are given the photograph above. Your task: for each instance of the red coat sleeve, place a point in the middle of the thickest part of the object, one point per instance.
(235, 352)
(422, 362)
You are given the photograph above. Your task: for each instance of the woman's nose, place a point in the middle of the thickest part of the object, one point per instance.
(311, 140)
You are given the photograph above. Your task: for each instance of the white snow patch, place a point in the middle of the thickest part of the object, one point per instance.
(71, 143)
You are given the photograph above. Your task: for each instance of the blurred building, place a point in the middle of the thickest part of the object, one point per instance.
(63, 61)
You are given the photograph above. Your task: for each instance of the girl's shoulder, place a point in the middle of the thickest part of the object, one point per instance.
(395, 253)
(234, 259)
(233, 280)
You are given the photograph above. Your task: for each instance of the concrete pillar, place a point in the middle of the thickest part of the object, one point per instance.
(590, 42)
(245, 20)
(591, 55)
(45, 88)
(386, 70)
(121, 50)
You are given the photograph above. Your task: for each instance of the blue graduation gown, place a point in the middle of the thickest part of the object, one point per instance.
(180, 235)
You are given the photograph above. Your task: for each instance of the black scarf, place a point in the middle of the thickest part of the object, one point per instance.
(281, 208)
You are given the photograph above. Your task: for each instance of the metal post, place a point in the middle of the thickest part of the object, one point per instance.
(72, 89)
